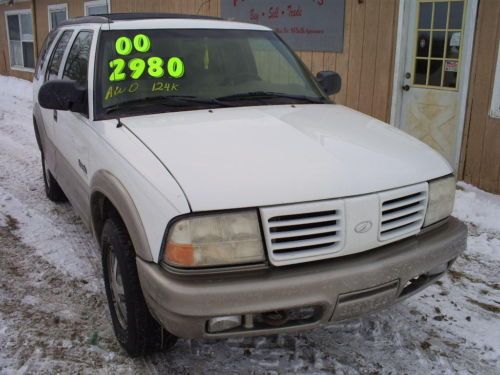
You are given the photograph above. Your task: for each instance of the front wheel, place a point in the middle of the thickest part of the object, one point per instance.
(134, 326)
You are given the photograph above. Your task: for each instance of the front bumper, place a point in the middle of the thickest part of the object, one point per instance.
(337, 289)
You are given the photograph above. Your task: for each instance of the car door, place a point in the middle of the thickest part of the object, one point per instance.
(74, 129)
(49, 116)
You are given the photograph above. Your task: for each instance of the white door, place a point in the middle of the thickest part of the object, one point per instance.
(74, 129)
(433, 80)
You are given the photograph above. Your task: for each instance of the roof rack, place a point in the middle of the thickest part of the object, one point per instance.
(110, 17)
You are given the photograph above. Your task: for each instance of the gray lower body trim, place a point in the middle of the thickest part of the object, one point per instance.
(338, 289)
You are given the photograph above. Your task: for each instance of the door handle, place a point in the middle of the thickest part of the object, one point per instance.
(55, 115)
(406, 88)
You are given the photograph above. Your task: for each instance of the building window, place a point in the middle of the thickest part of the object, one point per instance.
(96, 7)
(57, 14)
(20, 38)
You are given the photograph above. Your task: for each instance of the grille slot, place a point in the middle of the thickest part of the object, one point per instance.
(401, 213)
(306, 231)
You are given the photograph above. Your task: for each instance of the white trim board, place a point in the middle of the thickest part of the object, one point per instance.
(495, 96)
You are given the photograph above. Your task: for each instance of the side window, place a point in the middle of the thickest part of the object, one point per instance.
(45, 49)
(57, 55)
(77, 63)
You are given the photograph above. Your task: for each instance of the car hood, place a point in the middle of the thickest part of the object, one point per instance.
(267, 155)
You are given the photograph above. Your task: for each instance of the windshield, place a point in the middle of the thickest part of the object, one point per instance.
(151, 71)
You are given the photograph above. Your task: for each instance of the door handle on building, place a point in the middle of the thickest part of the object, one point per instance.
(406, 88)
(55, 115)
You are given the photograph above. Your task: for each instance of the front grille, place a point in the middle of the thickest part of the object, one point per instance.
(303, 232)
(402, 212)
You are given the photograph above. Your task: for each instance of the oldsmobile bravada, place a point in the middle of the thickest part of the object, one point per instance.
(228, 193)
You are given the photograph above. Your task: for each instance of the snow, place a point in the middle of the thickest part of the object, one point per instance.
(47, 239)
(54, 318)
(477, 207)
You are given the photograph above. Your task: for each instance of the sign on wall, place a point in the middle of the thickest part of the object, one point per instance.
(311, 25)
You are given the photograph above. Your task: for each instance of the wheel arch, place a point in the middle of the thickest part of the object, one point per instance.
(108, 195)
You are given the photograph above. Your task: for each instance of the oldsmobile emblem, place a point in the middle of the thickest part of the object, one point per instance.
(363, 227)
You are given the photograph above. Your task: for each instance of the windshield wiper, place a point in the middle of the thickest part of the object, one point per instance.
(167, 101)
(270, 95)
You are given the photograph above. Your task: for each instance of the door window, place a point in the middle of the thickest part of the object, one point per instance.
(57, 55)
(44, 52)
(439, 35)
(77, 63)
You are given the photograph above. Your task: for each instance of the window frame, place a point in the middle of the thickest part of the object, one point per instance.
(444, 58)
(95, 3)
(19, 12)
(64, 55)
(47, 51)
(54, 8)
(89, 116)
(73, 40)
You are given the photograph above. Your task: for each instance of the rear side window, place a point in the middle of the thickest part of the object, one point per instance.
(57, 55)
(45, 49)
(77, 63)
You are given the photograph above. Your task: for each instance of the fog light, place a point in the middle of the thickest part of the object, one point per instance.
(224, 323)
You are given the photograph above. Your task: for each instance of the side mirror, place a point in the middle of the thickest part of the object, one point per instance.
(63, 95)
(329, 81)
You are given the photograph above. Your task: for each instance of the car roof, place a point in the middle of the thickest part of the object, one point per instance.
(160, 20)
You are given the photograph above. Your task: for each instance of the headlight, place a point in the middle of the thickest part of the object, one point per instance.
(441, 199)
(215, 240)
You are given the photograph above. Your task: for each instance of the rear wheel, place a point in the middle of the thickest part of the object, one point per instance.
(134, 326)
(52, 188)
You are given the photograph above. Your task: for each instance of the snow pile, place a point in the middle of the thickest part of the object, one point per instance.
(478, 207)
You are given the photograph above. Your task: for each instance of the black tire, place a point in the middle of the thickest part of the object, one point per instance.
(135, 328)
(52, 188)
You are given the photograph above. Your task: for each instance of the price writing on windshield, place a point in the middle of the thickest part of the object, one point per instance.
(155, 66)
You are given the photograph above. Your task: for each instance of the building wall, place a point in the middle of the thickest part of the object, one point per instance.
(480, 161)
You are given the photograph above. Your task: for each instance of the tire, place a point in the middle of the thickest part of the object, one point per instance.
(52, 188)
(135, 328)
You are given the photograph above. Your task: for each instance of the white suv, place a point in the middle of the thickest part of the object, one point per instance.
(229, 195)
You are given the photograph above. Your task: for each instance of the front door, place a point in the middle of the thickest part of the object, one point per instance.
(75, 129)
(432, 74)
